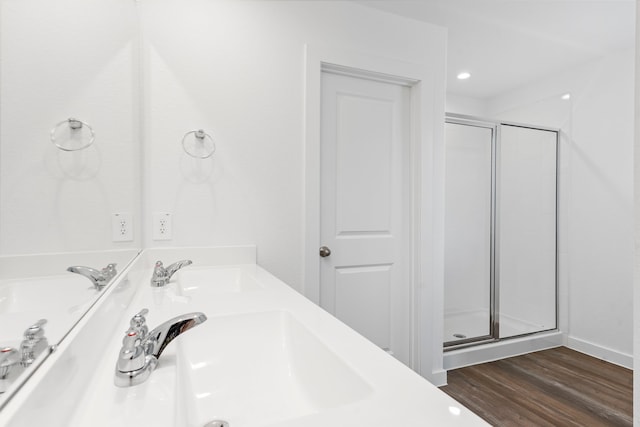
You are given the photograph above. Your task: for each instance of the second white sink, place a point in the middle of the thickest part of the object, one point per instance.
(258, 369)
(67, 293)
(206, 281)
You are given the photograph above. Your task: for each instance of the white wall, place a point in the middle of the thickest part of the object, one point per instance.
(58, 60)
(233, 68)
(236, 69)
(596, 196)
(467, 105)
(636, 264)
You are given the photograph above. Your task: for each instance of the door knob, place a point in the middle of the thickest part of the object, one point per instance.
(324, 251)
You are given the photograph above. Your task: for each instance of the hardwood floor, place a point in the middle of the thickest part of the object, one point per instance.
(557, 387)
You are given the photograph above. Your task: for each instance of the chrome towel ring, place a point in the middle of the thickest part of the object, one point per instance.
(74, 125)
(202, 146)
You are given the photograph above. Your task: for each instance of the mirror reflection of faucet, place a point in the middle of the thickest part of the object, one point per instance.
(141, 349)
(99, 278)
(14, 361)
(161, 275)
(10, 367)
(34, 343)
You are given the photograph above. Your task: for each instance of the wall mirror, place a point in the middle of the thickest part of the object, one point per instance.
(69, 160)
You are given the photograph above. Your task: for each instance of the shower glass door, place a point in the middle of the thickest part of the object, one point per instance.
(527, 230)
(500, 231)
(468, 231)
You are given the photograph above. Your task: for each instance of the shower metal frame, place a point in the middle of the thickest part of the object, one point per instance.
(494, 279)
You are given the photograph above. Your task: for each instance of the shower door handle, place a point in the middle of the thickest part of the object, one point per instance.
(324, 251)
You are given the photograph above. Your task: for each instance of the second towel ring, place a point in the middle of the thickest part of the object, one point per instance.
(203, 146)
(74, 124)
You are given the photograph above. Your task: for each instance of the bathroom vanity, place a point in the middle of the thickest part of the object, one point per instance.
(265, 356)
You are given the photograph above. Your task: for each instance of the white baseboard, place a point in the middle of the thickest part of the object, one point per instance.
(495, 351)
(604, 353)
(499, 350)
(437, 378)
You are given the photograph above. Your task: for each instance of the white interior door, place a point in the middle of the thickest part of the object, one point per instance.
(365, 190)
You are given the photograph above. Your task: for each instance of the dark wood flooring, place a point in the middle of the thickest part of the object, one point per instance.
(557, 387)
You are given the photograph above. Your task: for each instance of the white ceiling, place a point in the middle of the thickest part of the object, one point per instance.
(506, 44)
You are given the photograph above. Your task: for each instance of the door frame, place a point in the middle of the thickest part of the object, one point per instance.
(426, 260)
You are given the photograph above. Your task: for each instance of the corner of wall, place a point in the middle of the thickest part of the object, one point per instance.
(636, 207)
(438, 378)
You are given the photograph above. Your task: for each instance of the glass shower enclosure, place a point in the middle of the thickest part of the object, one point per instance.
(500, 230)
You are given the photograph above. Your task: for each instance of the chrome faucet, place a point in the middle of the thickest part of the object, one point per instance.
(10, 367)
(141, 349)
(34, 343)
(162, 275)
(13, 361)
(99, 278)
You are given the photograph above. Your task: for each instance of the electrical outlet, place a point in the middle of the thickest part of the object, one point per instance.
(122, 227)
(162, 226)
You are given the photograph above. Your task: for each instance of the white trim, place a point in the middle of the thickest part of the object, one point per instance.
(317, 59)
(636, 214)
(439, 378)
(600, 352)
(514, 347)
(426, 259)
(501, 349)
(368, 74)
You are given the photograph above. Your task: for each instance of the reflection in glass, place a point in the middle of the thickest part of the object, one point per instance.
(63, 59)
(36, 287)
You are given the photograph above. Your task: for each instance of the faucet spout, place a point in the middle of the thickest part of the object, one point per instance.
(99, 278)
(88, 272)
(160, 337)
(177, 266)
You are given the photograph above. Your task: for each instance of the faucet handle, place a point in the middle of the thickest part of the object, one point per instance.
(131, 340)
(9, 359)
(109, 272)
(35, 332)
(34, 343)
(159, 277)
(140, 316)
(10, 367)
(132, 354)
(138, 323)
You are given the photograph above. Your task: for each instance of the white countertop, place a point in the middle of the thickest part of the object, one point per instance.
(357, 383)
(396, 396)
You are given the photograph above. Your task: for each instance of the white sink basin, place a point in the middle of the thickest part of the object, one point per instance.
(258, 369)
(209, 281)
(58, 299)
(67, 293)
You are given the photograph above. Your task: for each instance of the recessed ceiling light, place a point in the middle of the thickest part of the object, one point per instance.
(464, 75)
(566, 96)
